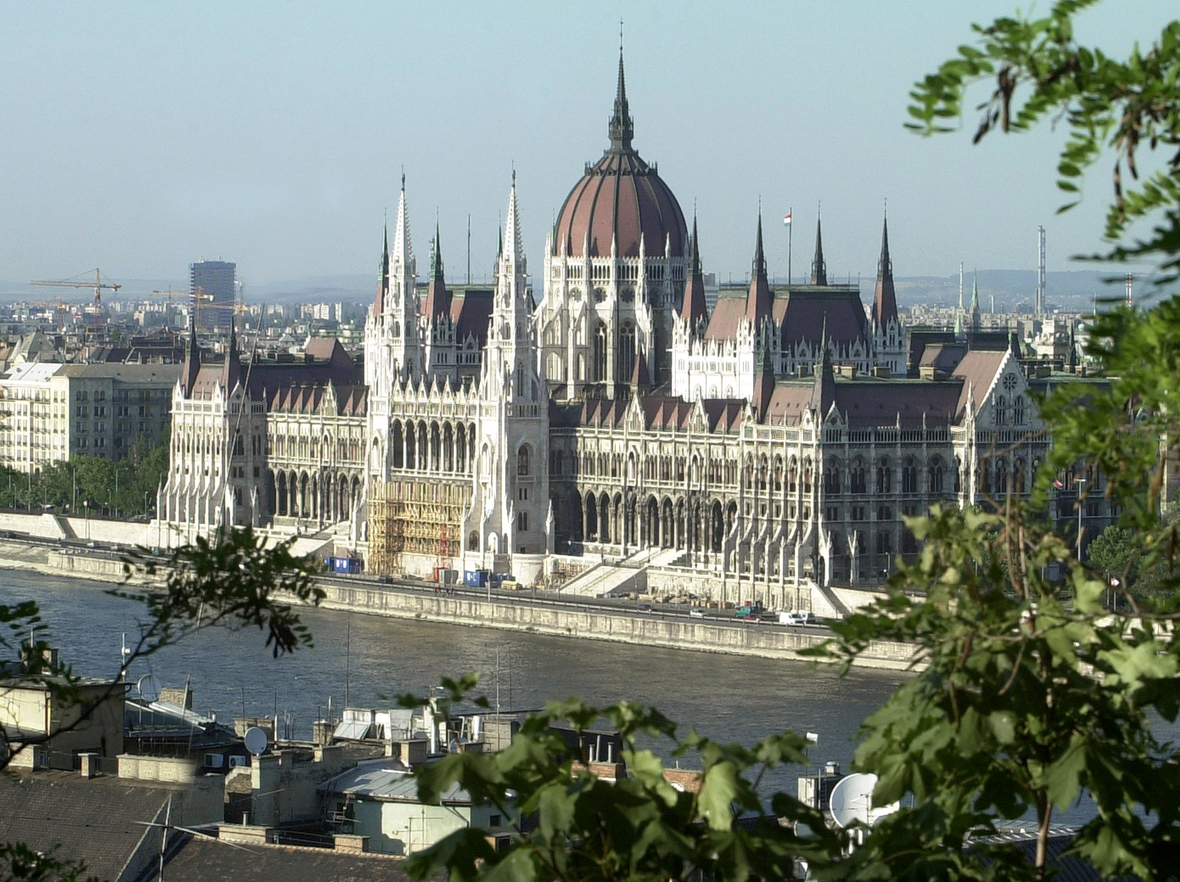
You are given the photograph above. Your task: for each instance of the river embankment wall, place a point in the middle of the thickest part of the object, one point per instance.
(516, 614)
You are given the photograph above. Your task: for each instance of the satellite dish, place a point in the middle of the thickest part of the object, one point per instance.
(852, 799)
(255, 740)
(149, 689)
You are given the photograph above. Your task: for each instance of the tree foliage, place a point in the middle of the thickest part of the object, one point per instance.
(1028, 696)
(234, 580)
(1112, 109)
(114, 488)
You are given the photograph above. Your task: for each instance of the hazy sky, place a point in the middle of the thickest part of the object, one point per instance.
(141, 137)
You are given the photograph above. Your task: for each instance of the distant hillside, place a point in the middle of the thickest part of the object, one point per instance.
(1013, 289)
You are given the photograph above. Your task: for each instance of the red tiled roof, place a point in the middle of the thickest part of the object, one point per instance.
(978, 371)
(806, 310)
(620, 195)
(868, 403)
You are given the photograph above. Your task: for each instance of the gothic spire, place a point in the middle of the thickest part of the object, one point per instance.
(884, 297)
(402, 251)
(694, 309)
(819, 269)
(231, 371)
(823, 392)
(621, 127)
(759, 299)
(438, 298)
(512, 233)
(192, 356)
(382, 273)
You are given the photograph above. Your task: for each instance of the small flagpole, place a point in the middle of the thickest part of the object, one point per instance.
(790, 236)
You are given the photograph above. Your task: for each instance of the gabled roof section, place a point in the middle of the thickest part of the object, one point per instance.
(979, 370)
(804, 313)
(728, 312)
(789, 401)
(471, 311)
(870, 403)
(724, 414)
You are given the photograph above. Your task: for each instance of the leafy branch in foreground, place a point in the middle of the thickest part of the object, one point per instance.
(1031, 698)
(232, 580)
(571, 824)
(1039, 71)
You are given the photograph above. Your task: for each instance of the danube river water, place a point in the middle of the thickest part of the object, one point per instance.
(366, 659)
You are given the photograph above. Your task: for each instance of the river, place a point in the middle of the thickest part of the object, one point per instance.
(369, 659)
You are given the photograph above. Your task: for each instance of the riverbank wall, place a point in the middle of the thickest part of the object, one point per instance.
(557, 620)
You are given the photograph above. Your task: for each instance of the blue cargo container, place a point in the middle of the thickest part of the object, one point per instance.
(345, 565)
(475, 578)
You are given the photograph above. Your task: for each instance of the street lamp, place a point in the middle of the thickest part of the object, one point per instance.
(1080, 482)
(86, 508)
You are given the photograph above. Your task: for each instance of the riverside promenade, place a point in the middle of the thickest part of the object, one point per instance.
(541, 612)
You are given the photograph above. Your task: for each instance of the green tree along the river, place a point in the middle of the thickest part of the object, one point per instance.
(109, 488)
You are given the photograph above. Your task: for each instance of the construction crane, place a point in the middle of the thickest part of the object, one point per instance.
(98, 285)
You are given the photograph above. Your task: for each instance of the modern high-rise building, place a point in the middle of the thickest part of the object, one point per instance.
(213, 283)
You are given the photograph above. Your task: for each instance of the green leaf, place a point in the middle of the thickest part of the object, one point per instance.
(719, 790)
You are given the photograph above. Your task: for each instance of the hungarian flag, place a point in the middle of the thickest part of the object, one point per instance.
(1058, 483)
(787, 219)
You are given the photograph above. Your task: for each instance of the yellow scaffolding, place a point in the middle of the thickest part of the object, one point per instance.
(415, 516)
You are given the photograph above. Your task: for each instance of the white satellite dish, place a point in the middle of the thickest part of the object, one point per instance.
(255, 740)
(148, 688)
(852, 800)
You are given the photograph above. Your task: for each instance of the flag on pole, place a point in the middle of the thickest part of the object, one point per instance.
(787, 219)
(1057, 482)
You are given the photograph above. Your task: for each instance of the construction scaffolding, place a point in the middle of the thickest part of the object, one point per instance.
(420, 517)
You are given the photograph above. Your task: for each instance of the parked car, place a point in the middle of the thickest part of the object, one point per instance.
(797, 618)
(696, 613)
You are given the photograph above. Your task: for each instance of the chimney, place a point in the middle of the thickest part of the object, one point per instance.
(351, 843)
(88, 764)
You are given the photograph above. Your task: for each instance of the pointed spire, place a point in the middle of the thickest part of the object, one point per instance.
(764, 377)
(819, 269)
(694, 308)
(192, 356)
(438, 298)
(823, 392)
(231, 371)
(621, 128)
(382, 273)
(976, 321)
(512, 233)
(402, 251)
(884, 297)
(759, 299)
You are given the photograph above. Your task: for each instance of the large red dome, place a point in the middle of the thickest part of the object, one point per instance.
(620, 196)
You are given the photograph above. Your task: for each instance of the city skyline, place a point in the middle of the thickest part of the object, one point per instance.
(141, 138)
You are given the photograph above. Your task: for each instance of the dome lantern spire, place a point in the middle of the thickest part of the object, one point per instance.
(621, 128)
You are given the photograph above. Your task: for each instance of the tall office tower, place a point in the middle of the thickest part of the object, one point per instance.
(213, 283)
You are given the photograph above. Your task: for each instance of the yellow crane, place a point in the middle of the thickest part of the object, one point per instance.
(98, 285)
